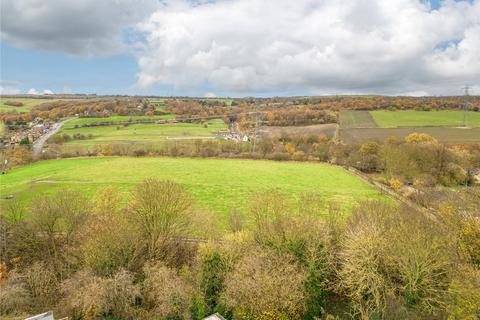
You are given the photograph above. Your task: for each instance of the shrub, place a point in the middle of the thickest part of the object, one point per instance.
(109, 238)
(464, 295)
(266, 285)
(298, 156)
(212, 275)
(161, 211)
(165, 294)
(25, 141)
(41, 283)
(14, 297)
(363, 260)
(279, 156)
(395, 184)
(86, 296)
(139, 153)
(420, 138)
(13, 103)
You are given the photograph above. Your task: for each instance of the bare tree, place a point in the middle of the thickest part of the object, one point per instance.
(160, 210)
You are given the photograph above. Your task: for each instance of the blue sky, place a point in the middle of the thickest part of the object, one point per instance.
(63, 73)
(60, 66)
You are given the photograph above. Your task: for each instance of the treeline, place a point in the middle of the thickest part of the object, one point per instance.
(107, 259)
(188, 108)
(299, 116)
(59, 109)
(418, 160)
(372, 102)
(244, 113)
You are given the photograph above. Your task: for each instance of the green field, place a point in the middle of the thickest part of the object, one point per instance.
(28, 104)
(143, 132)
(444, 118)
(158, 105)
(83, 121)
(216, 185)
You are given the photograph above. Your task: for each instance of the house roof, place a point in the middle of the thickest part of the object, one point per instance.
(215, 316)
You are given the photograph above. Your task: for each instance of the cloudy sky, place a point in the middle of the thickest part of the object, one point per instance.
(240, 47)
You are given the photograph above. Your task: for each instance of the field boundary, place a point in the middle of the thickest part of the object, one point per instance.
(388, 191)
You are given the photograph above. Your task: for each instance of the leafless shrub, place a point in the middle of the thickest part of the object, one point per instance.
(54, 227)
(86, 296)
(269, 213)
(422, 260)
(160, 209)
(14, 297)
(264, 283)
(165, 294)
(204, 224)
(363, 261)
(108, 241)
(14, 211)
(42, 284)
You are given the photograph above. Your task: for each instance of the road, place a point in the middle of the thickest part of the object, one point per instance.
(38, 144)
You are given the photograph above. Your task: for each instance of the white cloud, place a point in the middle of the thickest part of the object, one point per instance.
(329, 46)
(33, 91)
(84, 27)
(9, 87)
(210, 95)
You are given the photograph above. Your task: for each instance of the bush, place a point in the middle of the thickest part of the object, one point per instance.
(212, 275)
(264, 284)
(13, 103)
(139, 153)
(25, 141)
(41, 283)
(165, 294)
(279, 156)
(363, 261)
(109, 238)
(161, 211)
(464, 295)
(298, 156)
(86, 296)
(14, 297)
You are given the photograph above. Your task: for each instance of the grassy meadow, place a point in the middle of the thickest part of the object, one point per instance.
(85, 121)
(140, 132)
(216, 185)
(28, 104)
(442, 118)
(158, 105)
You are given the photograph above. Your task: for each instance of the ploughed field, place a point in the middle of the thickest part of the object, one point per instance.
(216, 185)
(136, 132)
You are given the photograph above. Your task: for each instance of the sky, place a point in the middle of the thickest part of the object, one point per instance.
(240, 48)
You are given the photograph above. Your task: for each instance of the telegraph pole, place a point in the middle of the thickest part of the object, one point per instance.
(465, 105)
(256, 131)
